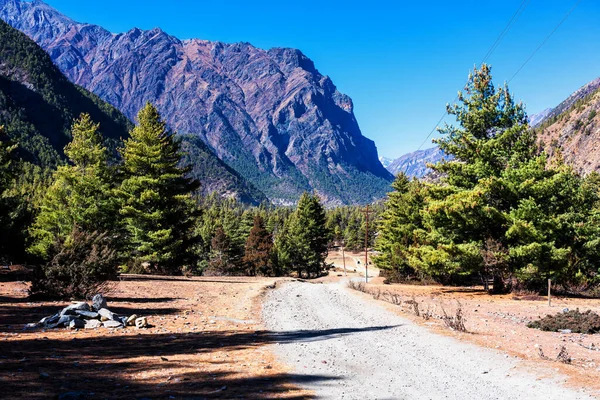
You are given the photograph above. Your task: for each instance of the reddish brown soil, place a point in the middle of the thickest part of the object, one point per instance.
(206, 342)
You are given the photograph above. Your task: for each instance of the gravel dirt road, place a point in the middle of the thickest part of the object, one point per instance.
(341, 345)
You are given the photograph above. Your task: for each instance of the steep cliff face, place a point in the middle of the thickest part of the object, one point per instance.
(268, 113)
(572, 130)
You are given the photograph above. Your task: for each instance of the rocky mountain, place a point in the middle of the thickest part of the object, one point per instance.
(38, 104)
(269, 114)
(385, 161)
(415, 164)
(572, 129)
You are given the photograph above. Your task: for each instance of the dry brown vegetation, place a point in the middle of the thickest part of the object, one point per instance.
(206, 341)
(500, 322)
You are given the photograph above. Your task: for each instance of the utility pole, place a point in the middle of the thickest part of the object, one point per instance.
(366, 244)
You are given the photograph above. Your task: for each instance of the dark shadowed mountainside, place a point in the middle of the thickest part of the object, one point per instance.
(38, 104)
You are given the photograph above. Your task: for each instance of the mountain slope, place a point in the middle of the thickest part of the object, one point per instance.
(269, 114)
(572, 130)
(38, 104)
(216, 176)
(415, 164)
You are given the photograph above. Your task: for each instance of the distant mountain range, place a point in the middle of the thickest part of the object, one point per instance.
(385, 161)
(536, 119)
(269, 114)
(415, 164)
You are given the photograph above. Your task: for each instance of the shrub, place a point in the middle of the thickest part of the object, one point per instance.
(578, 322)
(80, 267)
(456, 322)
(360, 286)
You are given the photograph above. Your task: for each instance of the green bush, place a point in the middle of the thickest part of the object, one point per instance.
(578, 322)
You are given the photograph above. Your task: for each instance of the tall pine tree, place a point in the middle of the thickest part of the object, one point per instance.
(258, 248)
(501, 211)
(82, 192)
(400, 227)
(7, 202)
(157, 206)
(302, 245)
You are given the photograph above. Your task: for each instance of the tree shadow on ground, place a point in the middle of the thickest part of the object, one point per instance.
(182, 279)
(121, 365)
(142, 300)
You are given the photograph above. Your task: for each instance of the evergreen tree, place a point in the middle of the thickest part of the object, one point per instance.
(7, 201)
(500, 211)
(222, 259)
(157, 206)
(302, 245)
(257, 254)
(81, 194)
(400, 227)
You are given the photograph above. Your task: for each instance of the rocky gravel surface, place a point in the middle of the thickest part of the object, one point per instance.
(342, 345)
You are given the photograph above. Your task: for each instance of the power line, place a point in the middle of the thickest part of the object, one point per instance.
(507, 28)
(515, 16)
(509, 25)
(545, 40)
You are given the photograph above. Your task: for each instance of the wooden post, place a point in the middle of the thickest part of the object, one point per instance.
(367, 245)
(344, 258)
(549, 298)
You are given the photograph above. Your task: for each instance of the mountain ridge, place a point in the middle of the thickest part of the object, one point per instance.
(38, 105)
(270, 114)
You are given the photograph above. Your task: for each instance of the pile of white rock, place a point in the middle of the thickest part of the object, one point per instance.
(82, 315)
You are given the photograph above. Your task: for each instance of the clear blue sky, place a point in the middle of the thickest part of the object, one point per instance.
(400, 61)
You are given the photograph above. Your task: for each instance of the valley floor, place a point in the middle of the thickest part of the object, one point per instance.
(256, 338)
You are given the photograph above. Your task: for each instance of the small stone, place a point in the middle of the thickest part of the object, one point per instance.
(87, 314)
(112, 324)
(92, 324)
(98, 302)
(106, 315)
(565, 331)
(71, 309)
(141, 322)
(565, 310)
(77, 324)
(131, 320)
(49, 320)
(62, 321)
